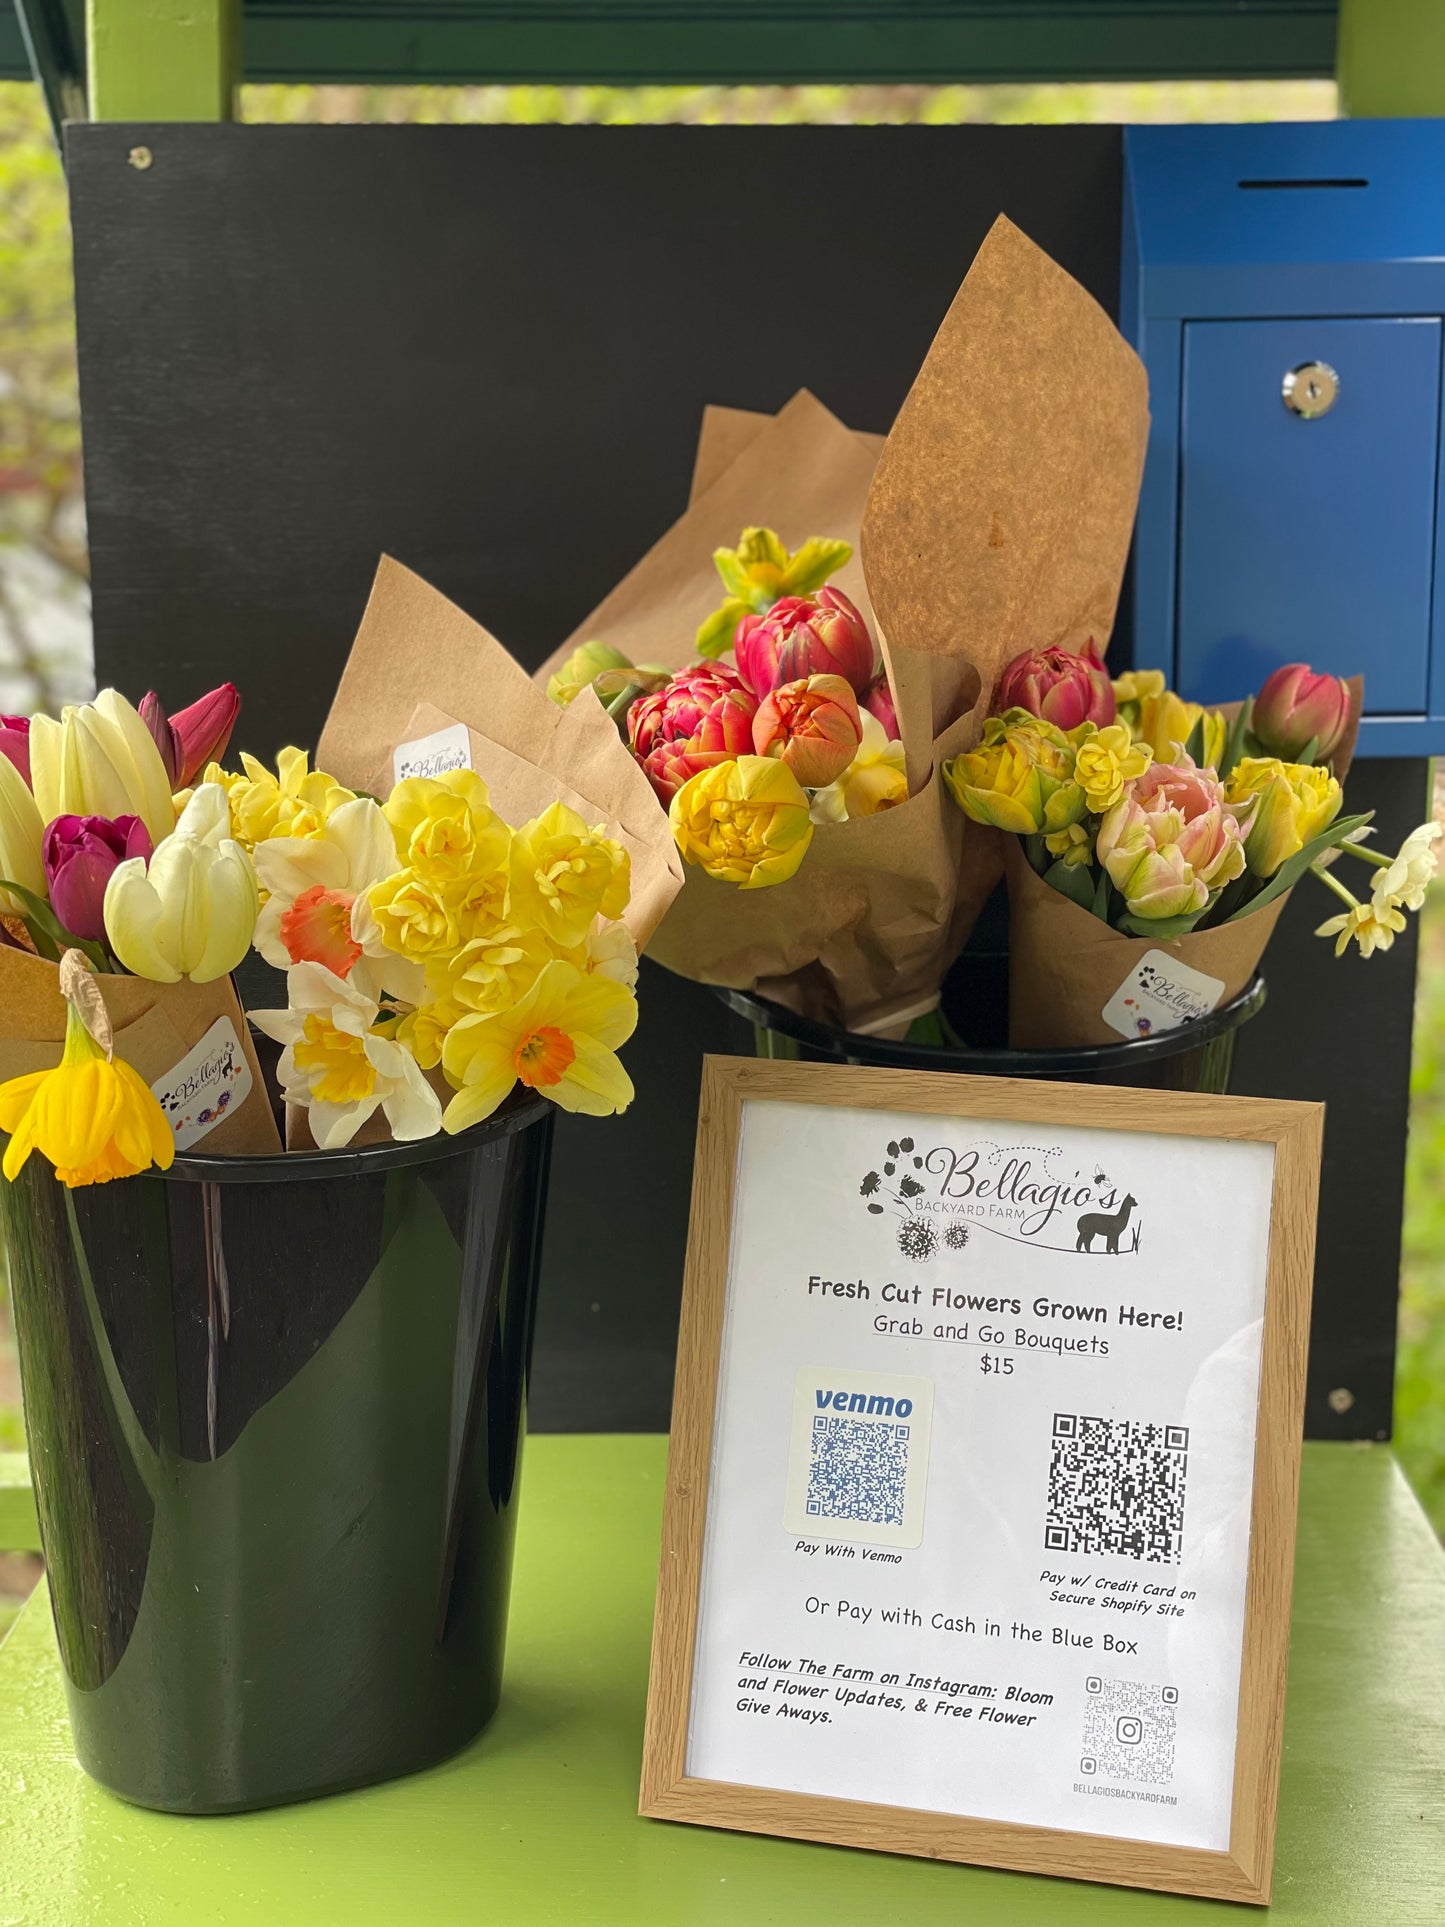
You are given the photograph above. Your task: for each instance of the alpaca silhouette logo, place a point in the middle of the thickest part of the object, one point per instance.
(1109, 1226)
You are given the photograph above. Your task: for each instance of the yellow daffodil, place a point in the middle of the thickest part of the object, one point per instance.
(744, 821)
(1406, 876)
(1154, 715)
(190, 911)
(609, 951)
(294, 802)
(757, 573)
(561, 1040)
(490, 973)
(446, 829)
(1373, 925)
(415, 918)
(100, 760)
(875, 780)
(1105, 760)
(1292, 804)
(340, 1067)
(93, 1116)
(312, 884)
(561, 876)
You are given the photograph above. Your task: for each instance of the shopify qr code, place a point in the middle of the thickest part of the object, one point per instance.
(1117, 1486)
(1128, 1731)
(858, 1470)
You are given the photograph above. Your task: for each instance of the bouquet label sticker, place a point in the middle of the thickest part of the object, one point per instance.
(445, 749)
(863, 1435)
(979, 1390)
(211, 1081)
(1161, 993)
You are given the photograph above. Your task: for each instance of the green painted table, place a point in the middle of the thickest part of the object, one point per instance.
(535, 1824)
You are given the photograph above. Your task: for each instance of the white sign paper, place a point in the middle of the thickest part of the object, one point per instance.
(978, 1529)
(211, 1081)
(445, 749)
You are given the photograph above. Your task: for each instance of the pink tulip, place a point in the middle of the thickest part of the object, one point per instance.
(703, 716)
(79, 853)
(813, 726)
(15, 742)
(194, 736)
(1063, 688)
(1171, 841)
(1296, 706)
(877, 699)
(804, 635)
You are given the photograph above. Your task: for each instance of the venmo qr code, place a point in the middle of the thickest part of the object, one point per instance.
(1128, 1731)
(859, 1470)
(1117, 1486)
(858, 1460)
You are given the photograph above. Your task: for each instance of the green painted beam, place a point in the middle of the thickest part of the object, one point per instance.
(678, 41)
(1391, 59)
(19, 1527)
(163, 59)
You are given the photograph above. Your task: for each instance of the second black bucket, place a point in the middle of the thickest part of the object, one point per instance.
(275, 1415)
(1196, 1057)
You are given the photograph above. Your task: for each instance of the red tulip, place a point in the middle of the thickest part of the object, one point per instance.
(702, 716)
(1063, 688)
(194, 736)
(79, 853)
(877, 699)
(801, 636)
(813, 726)
(1295, 707)
(15, 742)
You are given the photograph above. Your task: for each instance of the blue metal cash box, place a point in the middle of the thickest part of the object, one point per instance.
(1285, 285)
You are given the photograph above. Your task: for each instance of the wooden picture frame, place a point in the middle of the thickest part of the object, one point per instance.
(1294, 1130)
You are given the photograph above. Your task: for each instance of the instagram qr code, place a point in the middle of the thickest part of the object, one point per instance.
(858, 1470)
(1117, 1486)
(1129, 1730)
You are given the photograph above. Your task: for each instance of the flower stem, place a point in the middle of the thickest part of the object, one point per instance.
(1339, 889)
(1378, 857)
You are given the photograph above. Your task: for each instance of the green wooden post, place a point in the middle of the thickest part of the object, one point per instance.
(1390, 57)
(163, 59)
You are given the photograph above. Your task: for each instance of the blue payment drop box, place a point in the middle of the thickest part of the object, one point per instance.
(1285, 286)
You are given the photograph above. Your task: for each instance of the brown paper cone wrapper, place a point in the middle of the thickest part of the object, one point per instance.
(989, 521)
(154, 1026)
(1065, 964)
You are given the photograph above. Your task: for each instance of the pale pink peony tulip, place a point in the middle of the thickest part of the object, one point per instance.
(703, 716)
(1063, 688)
(1295, 707)
(813, 726)
(1171, 841)
(802, 635)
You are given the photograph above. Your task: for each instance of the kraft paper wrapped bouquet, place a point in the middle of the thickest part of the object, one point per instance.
(797, 658)
(1153, 843)
(446, 936)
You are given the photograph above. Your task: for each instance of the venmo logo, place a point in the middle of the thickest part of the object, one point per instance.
(872, 1405)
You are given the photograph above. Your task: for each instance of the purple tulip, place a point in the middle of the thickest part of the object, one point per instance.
(79, 853)
(194, 736)
(15, 742)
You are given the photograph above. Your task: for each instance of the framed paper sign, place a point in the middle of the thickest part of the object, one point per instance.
(985, 1447)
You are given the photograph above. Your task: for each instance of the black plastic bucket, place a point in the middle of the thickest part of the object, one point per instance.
(275, 1409)
(1196, 1057)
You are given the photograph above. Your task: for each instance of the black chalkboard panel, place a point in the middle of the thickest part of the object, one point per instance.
(486, 351)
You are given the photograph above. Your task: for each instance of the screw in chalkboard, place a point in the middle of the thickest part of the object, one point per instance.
(1340, 1399)
(140, 158)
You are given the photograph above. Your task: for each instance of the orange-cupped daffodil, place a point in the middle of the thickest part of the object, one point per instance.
(92, 1115)
(561, 1039)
